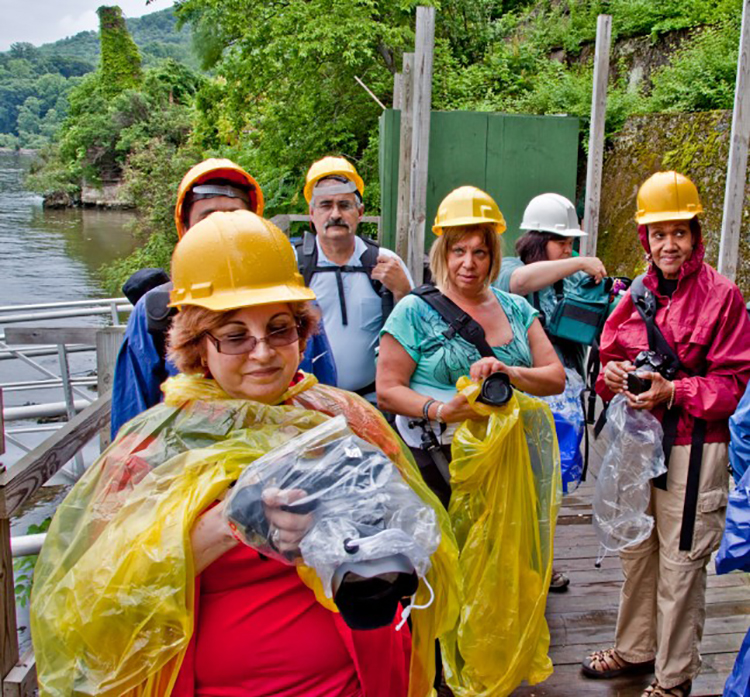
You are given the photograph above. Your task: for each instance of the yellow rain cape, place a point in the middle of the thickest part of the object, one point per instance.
(506, 491)
(112, 602)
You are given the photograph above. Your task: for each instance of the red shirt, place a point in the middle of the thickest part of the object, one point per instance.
(260, 632)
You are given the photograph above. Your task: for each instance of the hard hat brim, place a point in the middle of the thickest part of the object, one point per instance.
(663, 217)
(248, 297)
(567, 232)
(500, 228)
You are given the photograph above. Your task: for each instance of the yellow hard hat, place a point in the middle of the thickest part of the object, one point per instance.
(233, 260)
(215, 168)
(328, 167)
(468, 205)
(667, 196)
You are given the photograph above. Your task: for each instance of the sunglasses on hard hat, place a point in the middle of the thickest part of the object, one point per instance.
(238, 343)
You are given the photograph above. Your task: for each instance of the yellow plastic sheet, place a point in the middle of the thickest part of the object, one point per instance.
(506, 491)
(112, 603)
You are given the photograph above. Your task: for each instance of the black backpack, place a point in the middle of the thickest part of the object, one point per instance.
(307, 261)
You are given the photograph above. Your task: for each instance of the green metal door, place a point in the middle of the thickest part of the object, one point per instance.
(512, 157)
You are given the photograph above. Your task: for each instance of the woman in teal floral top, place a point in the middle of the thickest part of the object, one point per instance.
(418, 365)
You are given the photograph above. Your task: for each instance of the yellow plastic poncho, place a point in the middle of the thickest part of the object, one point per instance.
(112, 602)
(506, 491)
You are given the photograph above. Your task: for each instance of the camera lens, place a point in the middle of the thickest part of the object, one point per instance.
(496, 390)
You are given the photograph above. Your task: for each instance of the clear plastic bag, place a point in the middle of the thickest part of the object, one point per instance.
(362, 510)
(569, 424)
(634, 456)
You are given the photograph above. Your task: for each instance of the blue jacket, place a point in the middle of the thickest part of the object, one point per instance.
(140, 369)
(734, 554)
(739, 429)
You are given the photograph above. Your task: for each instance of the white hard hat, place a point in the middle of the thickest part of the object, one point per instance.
(552, 213)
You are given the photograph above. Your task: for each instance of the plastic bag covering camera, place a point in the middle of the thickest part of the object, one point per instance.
(569, 424)
(113, 596)
(505, 481)
(633, 440)
(362, 508)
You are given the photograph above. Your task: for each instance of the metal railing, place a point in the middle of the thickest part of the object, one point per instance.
(86, 417)
(26, 345)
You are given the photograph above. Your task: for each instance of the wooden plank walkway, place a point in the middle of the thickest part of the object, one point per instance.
(582, 620)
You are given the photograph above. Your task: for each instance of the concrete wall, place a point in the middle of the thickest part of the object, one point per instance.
(109, 195)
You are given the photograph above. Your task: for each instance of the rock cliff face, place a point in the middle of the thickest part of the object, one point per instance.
(695, 144)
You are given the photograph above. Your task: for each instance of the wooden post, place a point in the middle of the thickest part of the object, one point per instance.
(404, 157)
(2, 427)
(9, 639)
(596, 135)
(108, 342)
(734, 194)
(425, 44)
(398, 80)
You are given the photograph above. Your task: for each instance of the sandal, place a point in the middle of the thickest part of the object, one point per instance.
(656, 690)
(559, 582)
(608, 664)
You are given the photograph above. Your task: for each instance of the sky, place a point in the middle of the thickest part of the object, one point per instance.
(42, 21)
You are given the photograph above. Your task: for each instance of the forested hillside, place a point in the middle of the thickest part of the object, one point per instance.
(35, 81)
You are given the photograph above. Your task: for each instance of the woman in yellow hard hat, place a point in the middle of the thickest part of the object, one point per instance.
(419, 365)
(432, 339)
(677, 346)
(143, 588)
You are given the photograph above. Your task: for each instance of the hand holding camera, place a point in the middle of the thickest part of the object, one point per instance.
(646, 382)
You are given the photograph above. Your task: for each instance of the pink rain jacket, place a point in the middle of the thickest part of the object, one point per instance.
(707, 323)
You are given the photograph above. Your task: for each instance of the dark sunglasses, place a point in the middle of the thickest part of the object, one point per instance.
(236, 344)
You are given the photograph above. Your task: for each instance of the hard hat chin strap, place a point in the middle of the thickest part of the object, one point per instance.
(406, 612)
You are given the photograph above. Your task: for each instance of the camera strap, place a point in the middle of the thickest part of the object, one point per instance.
(645, 302)
(461, 323)
(458, 321)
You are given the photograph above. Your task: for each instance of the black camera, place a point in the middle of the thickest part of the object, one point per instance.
(649, 361)
(496, 390)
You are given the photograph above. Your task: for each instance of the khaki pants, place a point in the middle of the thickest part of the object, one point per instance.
(663, 600)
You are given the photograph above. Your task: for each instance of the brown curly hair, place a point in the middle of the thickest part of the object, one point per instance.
(185, 346)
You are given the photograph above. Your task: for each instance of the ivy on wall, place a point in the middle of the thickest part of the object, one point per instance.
(120, 65)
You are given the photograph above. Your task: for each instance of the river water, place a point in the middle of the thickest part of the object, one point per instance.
(50, 256)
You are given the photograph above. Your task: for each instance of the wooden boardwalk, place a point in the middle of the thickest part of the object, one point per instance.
(582, 620)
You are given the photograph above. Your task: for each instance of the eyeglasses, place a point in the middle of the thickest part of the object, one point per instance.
(236, 344)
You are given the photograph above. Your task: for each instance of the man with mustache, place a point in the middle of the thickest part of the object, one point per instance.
(356, 282)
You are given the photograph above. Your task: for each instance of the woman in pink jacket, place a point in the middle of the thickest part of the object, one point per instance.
(690, 373)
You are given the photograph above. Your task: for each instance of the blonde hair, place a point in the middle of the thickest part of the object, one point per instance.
(185, 340)
(453, 235)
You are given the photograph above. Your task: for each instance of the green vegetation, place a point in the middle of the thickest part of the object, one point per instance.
(35, 82)
(23, 567)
